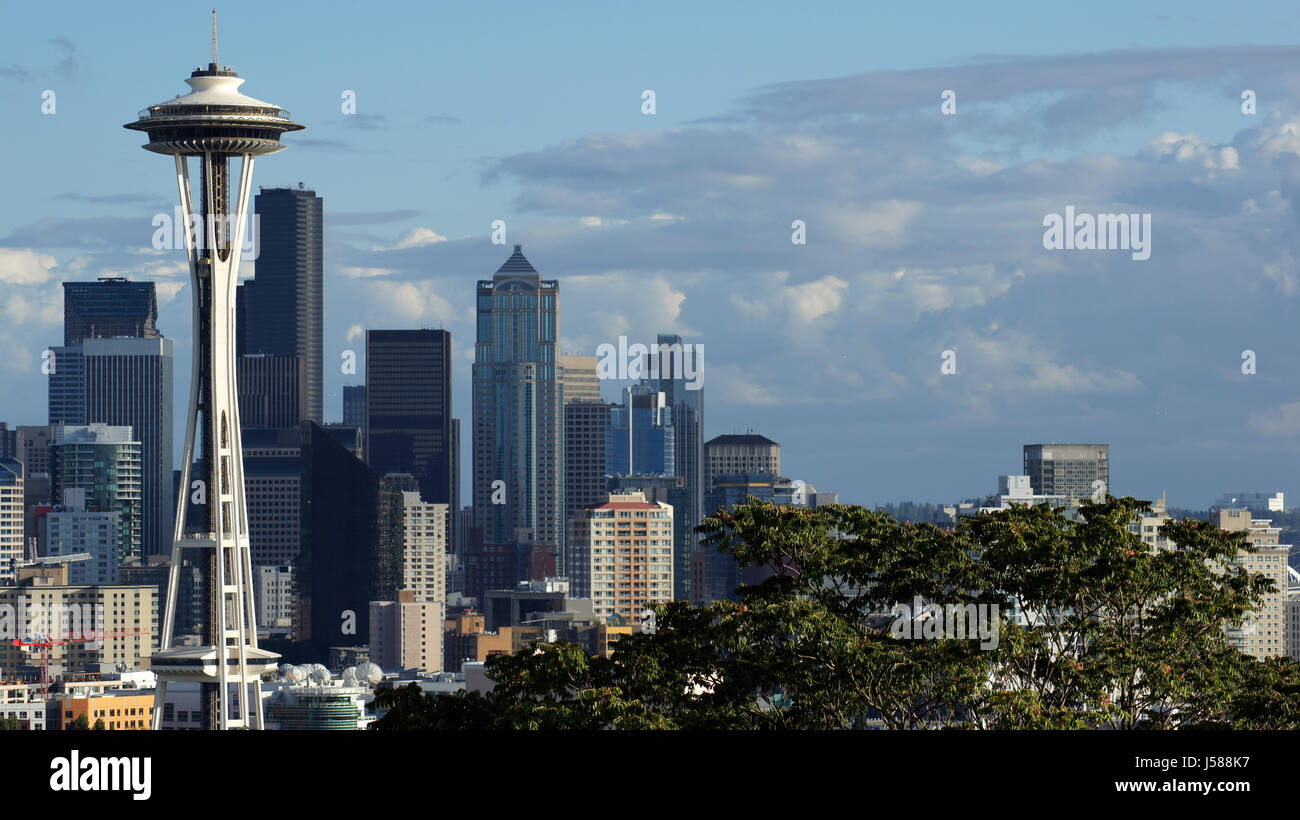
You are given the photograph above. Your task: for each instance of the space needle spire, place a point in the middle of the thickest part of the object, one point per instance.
(215, 124)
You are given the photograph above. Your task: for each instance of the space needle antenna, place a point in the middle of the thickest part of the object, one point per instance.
(214, 37)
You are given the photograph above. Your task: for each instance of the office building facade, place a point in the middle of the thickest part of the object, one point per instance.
(271, 390)
(747, 453)
(518, 415)
(105, 462)
(586, 442)
(424, 548)
(273, 487)
(581, 382)
(282, 306)
(12, 514)
(408, 421)
(112, 306)
(124, 382)
(1076, 471)
(72, 530)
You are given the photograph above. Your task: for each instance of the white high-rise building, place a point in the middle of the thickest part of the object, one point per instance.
(11, 518)
(1293, 614)
(424, 563)
(273, 596)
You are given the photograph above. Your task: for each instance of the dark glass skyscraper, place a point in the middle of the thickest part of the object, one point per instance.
(283, 305)
(408, 408)
(352, 543)
(113, 306)
(518, 417)
(271, 390)
(354, 405)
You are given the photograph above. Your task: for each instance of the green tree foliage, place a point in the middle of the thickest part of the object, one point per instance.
(1096, 630)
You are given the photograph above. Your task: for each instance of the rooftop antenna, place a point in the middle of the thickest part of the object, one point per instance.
(214, 39)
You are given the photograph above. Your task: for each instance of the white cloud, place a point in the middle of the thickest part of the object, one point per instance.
(167, 290)
(813, 300)
(411, 301)
(1188, 148)
(1281, 421)
(416, 238)
(354, 272)
(876, 224)
(23, 266)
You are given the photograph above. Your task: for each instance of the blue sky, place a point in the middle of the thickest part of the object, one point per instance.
(924, 231)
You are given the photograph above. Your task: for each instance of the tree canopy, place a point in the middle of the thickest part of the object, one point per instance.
(1092, 629)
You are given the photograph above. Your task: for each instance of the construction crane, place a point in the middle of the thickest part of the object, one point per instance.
(44, 645)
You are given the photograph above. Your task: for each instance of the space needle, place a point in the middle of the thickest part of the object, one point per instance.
(215, 123)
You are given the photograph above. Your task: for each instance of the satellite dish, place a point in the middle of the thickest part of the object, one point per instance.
(319, 674)
(350, 676)
(370, 672)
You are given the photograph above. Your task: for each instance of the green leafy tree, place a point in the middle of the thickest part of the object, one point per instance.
(1096, 629)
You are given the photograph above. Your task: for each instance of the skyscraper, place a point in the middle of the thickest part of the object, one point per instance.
(11, 518)
(739, 454)
(721, 570)
(677, 373)
(33, 447)
(641, 437)
(1076, 471)
(408, 408)
(273, 485)
(112, 306)
(8, 441)
(424, 548)
(33, 450)
(354, 406)
(627, 548)
(580, 380)
(353, 534)
(518, 422)
(105, 462)
(272, 390)
(586, 442)
(284, 302)
(125, 382)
